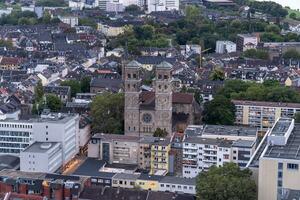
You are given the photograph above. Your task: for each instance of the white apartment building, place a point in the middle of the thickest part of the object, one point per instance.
(216, 145)
(276, 162)
(17, 135)
(162, 5)
(42, 157)
(262, 114)
(246, 41)
(225, 47)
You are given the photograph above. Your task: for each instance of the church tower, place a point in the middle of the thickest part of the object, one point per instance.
(163, 97)
(132, 84)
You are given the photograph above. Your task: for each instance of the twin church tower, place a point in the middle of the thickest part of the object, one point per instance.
(146, 111)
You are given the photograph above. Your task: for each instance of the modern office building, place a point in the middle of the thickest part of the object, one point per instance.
(114, 148)
(42, 157)
(17, 135)
(262, 114)
(225, 47)
(276, 161)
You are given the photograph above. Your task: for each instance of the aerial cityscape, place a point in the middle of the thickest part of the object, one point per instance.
(149, 100)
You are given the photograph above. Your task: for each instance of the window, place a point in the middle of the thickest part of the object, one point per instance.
(279, 183)
(134, 75)
(234, 158)
(279, 174)
(280, 165)
(234, 151)
(128, 75)
(162, 185)
(292, 166)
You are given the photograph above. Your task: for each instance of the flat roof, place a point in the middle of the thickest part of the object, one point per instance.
(266, 104)
(121, 166)
(201, 140)
(289, 151)
(41, 147)
(229, 130)
(126, 176)
(90, 167)
(116, 137)
(281, 126)
(144, 176)
(178, 180)
(243, 143)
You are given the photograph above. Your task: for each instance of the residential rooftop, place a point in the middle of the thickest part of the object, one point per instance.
(265, 104)
(229, 130)
(289, 151)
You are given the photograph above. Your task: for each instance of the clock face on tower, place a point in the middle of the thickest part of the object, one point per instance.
(147, 118)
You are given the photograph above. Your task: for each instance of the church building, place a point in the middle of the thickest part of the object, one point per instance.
(146, 111)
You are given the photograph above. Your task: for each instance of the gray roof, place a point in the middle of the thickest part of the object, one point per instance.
(164, 65)
(134, 64)
(9, 162)
(125, 176)
(41, 147)
(243, 143)
(281, 126)
(229, 130)
(289, 151)
(201, 140)
(178, 180)
(91, 167)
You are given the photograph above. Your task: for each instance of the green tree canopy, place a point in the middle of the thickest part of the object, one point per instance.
(39, 91)
(107, 111)
(219, 111)
(53, 102)
(192, 13)
(160, 133)
(273, 28)
(217, 74)
(225, 183)
(75, 86)
(256, 54)
(297, 117)
(291, 54)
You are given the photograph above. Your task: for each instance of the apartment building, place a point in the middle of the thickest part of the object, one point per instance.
(160, 150)
(178, 185)
(42, 157)
(225, 47)
(216, 145)
(262, 114)
(144, 156)
(114, 148)
(246, 41)
(162, 5)
(278, 160)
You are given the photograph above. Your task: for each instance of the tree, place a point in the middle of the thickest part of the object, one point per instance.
(107, 111)
(75, 86)
(228, 182)
(160, 133)
(217, 74)
(53, 102)
(297, 117)
(192, 13)
(291, 54)
(39, 91)
(85, 84)
(133, 9)
(256, 54)
(273, 28)
(219, 111)
(293, 16)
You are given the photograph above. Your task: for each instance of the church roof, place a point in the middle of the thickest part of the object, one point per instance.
(164, 65)
(134, 64)
(148, 99)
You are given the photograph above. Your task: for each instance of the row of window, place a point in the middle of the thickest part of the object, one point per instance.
(178, 186)
(15, 126)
